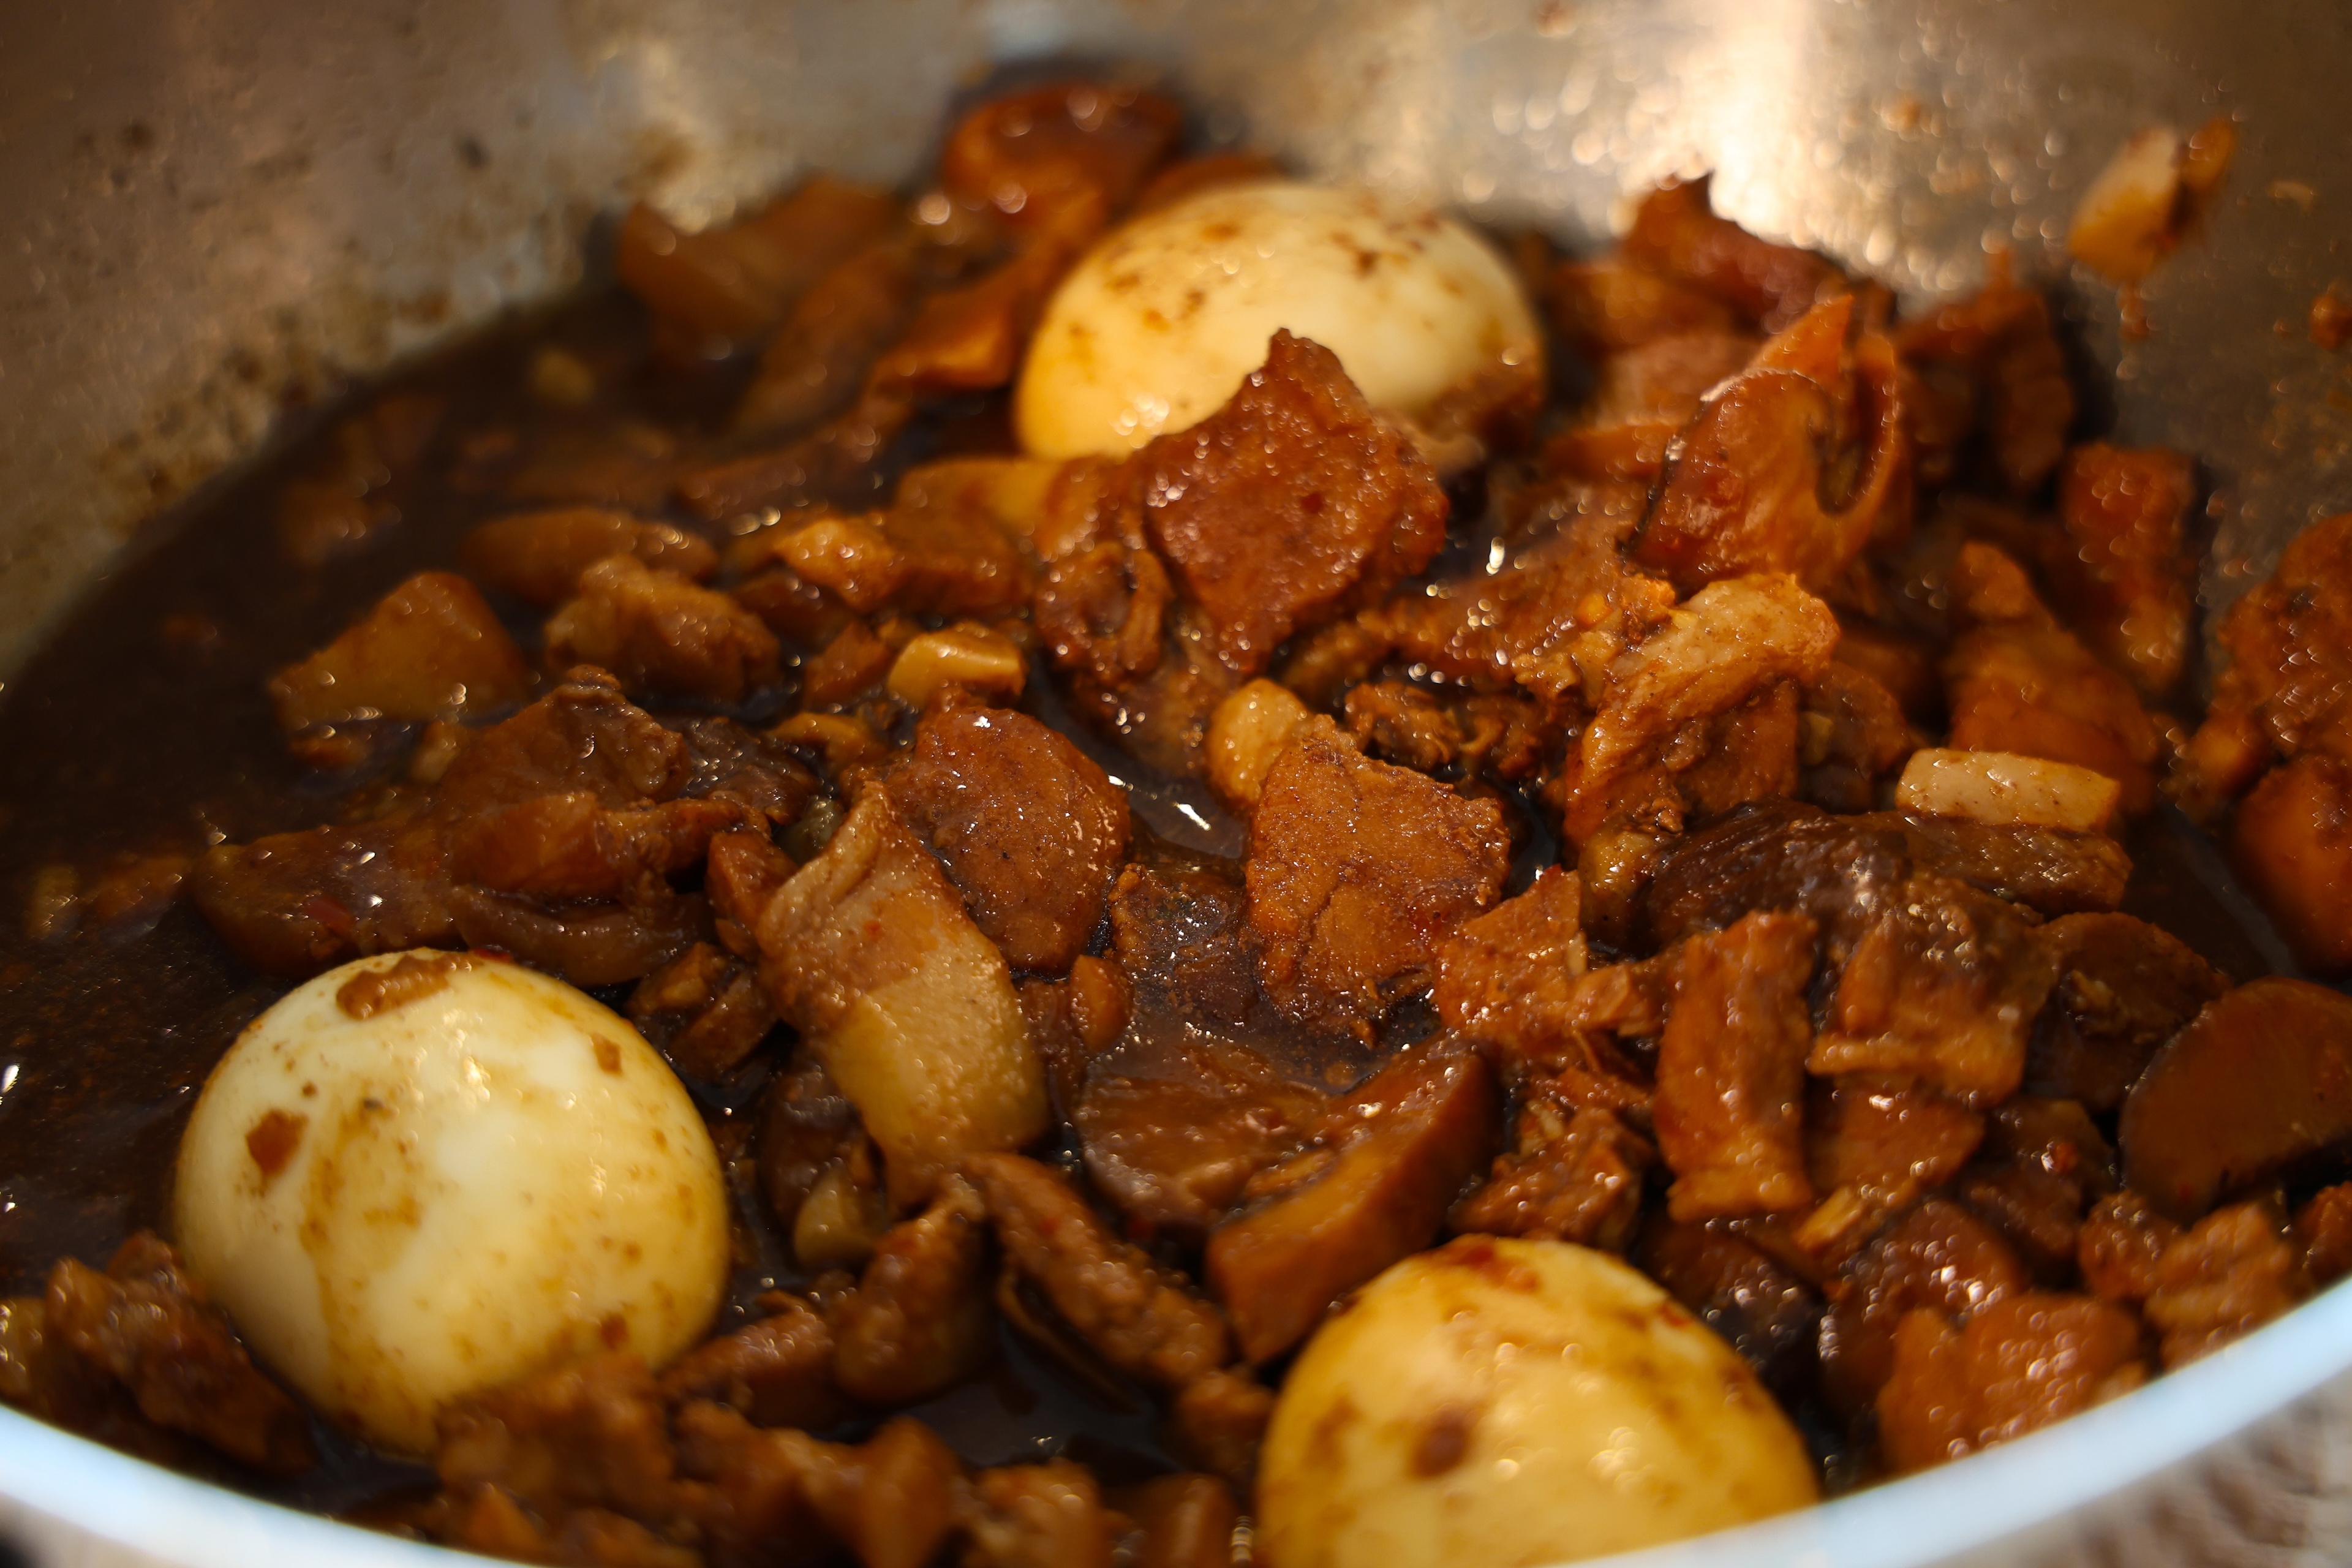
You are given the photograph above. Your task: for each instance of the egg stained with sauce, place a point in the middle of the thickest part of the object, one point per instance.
(1154, 329)
(427, 1173)
(1501, 1404)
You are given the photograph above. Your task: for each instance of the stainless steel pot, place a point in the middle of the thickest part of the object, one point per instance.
(213, 208)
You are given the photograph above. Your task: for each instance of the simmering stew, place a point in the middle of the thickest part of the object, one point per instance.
(1125, 860)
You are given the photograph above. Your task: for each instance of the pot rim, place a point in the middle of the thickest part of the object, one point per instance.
(106, 1496)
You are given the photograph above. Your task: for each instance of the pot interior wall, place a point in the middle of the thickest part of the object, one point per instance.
(222, 211)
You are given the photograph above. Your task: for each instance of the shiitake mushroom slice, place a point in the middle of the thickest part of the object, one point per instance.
(2257, 1087)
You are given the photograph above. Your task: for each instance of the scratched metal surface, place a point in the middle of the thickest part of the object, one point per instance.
(211, 210)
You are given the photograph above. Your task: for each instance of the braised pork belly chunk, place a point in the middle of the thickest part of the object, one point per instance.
(1031, 828)
(1356, 869)
(1672, 845)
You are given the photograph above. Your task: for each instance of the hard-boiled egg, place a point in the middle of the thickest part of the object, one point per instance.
(427, 1173)
(1156, 327)
(1501, 1404)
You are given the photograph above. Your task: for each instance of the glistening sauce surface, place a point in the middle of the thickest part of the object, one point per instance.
(1843, 1078)
(144, 725)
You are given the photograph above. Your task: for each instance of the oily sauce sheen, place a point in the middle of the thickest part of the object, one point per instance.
(145, 724)
(1344, 828)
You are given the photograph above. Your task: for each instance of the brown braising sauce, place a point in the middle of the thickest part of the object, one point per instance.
(144, 734)
(143, 727)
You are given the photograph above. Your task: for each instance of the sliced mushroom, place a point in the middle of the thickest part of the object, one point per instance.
(2257, 1087)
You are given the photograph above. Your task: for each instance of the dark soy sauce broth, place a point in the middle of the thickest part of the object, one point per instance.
(143, 725)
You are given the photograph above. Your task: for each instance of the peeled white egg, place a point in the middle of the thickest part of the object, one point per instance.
(1505, 1403)
(1156, 327)
(428, 1174)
